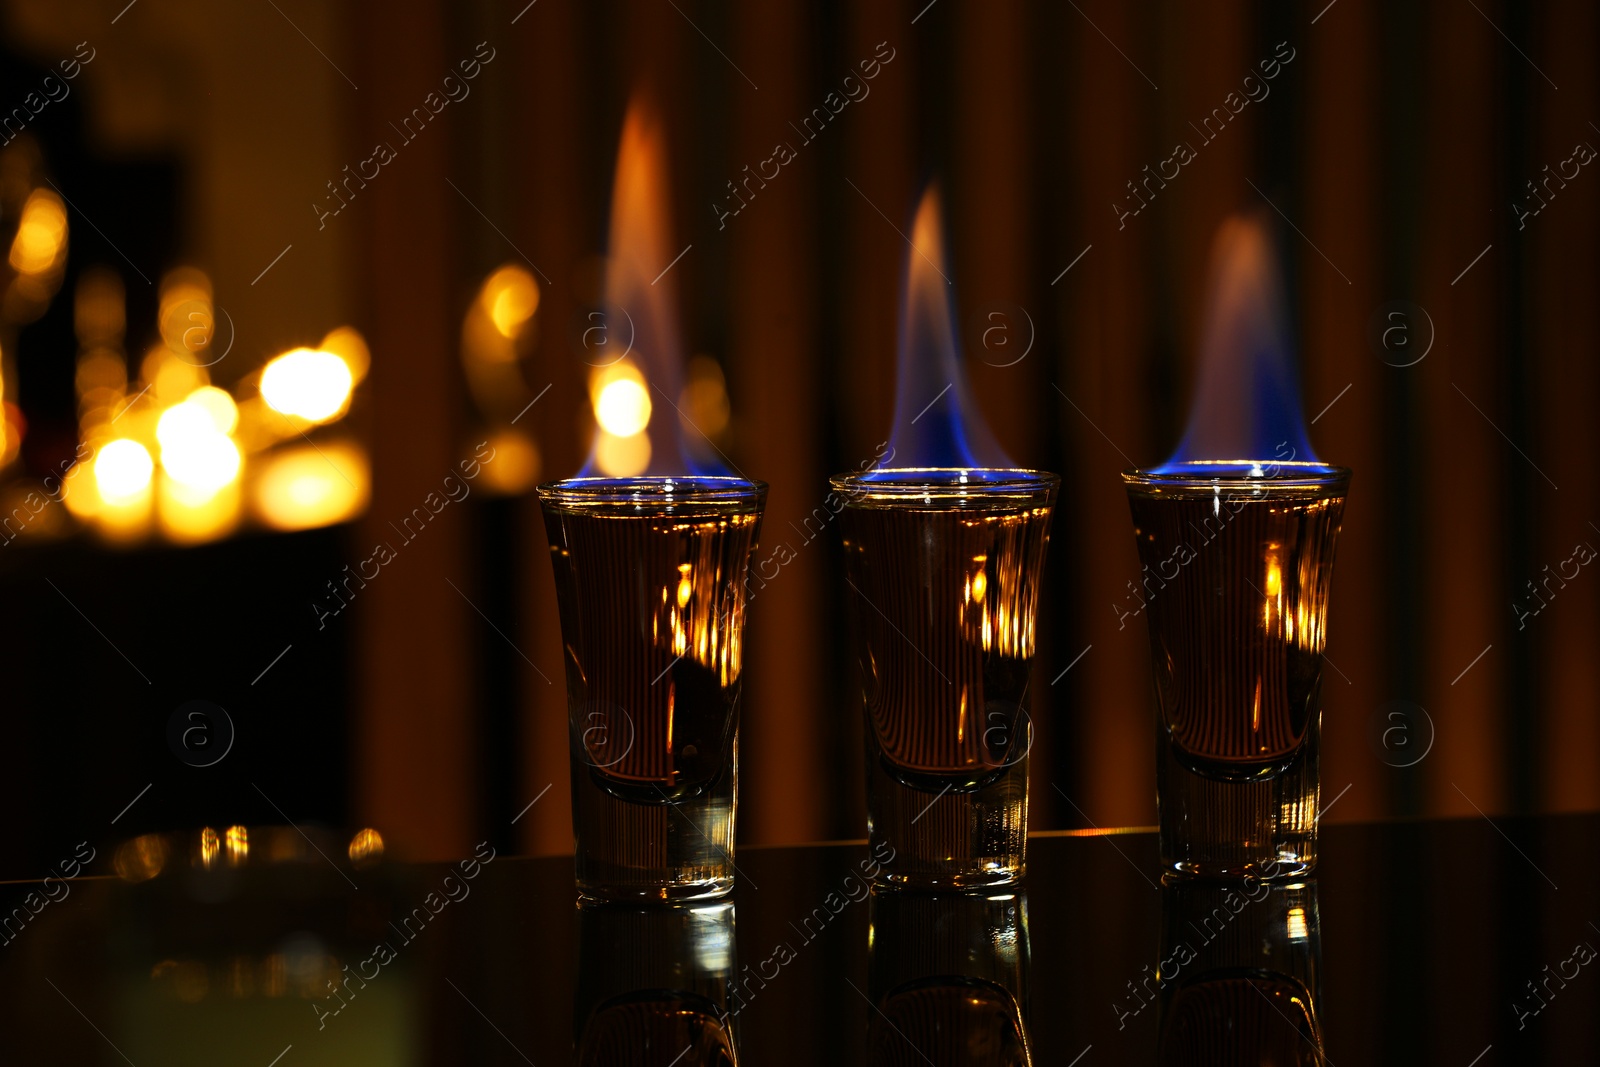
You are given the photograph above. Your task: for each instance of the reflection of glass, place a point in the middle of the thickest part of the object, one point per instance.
(650, 579)
(945, 568)
(654, 986)
(948, 976)
(1237, 568)
(1239, 977)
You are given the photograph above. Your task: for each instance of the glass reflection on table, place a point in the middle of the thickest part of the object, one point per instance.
(1239, 975)
(947, 978)
(655, 986)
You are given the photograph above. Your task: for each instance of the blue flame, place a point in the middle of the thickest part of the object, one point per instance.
(936, 420)
(1246, 410)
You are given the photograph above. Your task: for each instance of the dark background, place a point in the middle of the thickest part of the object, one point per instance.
(1391, 149)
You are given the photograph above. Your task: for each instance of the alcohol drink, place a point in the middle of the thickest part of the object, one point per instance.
(944, 569)
(1239, 977)
(948, 977)
(1234, 588)
(650, 580)
(656, 986)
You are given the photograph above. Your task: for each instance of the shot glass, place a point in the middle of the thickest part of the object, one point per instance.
(656, 982)
(1239, 977)
(650, 580)
(944, 568)
(1237, 563)
(948, 976)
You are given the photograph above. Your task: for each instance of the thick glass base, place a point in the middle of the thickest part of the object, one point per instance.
(1238, 827)
(948, 839)
(644, 850)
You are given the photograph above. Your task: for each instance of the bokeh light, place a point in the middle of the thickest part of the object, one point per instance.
(190, 515)
(623, 407)
(366, 848)
(193, 451)
(218, 404)
(141, 859)
(515, 466)
(41, 239)
(122, 471)
(510, 296)
(347, 343)
(704, 401)
(186, 317)
(99, 313)
(301, 488)
(237, 841)
(622, 457)
(308, 383)
(80, 493)
(171, 377)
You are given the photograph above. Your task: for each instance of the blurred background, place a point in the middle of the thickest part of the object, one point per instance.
(242, 345)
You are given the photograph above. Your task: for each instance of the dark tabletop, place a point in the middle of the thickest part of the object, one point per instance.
(1450, 942)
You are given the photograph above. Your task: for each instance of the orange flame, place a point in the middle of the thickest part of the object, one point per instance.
(642, 339)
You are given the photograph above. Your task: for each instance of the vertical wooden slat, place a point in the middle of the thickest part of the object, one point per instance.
(1562, 387)
(1340, 192)
(559, 218)
(877, 175)
(993, 216)
(773, 355)
(1460, 406)
(413, 733)
(1102, 706)
(1564, 331)
(1205, 59)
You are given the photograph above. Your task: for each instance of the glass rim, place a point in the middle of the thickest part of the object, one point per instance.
(669, 489)
(943, 481)
(1236, 474)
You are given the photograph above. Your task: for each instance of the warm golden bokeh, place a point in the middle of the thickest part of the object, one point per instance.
(122, 471)
(307, 383)
(510, 296)
(516, 463)
(299, 488)
(41, 241)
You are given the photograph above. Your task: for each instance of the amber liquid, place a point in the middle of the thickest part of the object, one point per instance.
(944, 601)
(652, 618)
(1234, 588)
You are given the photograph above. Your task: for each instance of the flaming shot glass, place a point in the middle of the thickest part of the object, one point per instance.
(944, 568)
(1237, 563)
(650, 581)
